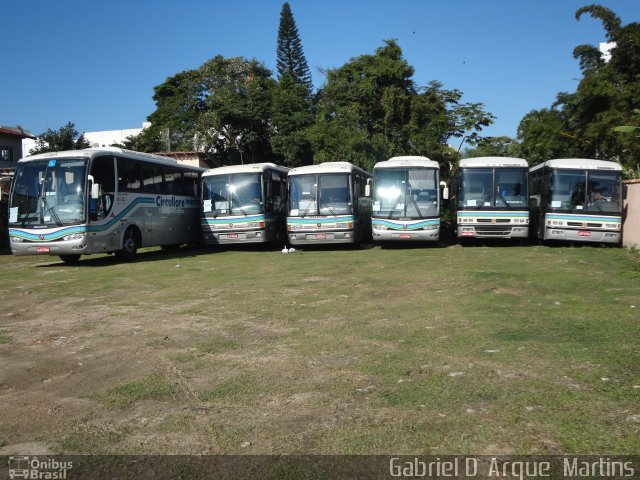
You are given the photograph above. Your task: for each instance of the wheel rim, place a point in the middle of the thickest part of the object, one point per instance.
(129, 243)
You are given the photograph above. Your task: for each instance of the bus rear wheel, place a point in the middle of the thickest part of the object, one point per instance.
(130, 244)
(70, 259)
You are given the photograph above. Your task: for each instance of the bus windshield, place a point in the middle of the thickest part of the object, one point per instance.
(405, 192)
(238, 194)
(49, 193)
(491, 188)
(585, 191)
(320, 194)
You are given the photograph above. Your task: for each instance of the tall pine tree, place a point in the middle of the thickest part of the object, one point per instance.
(290, 57)
(292, 109)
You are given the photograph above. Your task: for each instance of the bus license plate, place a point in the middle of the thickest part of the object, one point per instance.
(405, 236)
(232, 235)
(321, 236)
(584, 234)
(43, 250)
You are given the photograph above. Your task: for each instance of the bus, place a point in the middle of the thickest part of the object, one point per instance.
(577, 200)
(328, 204)
(244, 204)
(102, 200)
(491, 198)
(406, 199)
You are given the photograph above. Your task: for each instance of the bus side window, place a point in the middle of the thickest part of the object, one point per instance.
(189, 184)
(128, 176)
(152, 178)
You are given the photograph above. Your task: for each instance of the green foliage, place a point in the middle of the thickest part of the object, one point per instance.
(291, 116)
(222, 108)
(65, 138)
(173, 123)
(235, 124)
(290, 56)
(370, 109)
(494, 147)
(586, 123)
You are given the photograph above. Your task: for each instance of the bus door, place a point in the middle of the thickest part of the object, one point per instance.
(102, 193)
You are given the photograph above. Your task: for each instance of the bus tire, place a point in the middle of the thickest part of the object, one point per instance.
(130, 244)
(70, 259)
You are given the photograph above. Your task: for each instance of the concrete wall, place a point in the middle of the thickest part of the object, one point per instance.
(631, 225)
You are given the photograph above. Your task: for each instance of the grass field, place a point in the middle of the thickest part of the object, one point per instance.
(478, 350)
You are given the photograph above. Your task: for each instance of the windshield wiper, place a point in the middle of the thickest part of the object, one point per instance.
(234, 198)
(393, 208)
(504, 201)
(484, 199)
(416, 205)
(322, 202)
(311, 202)
(52, 211)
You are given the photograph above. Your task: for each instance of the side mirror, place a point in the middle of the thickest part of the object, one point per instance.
(367, 188)
(94, 188)
(445, 190)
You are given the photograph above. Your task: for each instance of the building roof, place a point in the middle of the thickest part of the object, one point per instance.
(17, 132)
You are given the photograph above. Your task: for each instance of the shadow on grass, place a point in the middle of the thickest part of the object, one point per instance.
(106, 260)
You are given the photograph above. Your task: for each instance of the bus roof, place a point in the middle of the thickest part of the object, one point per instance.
(95, 152)
(249, 168)
(579, 164)
(407, 161)
(327, 167)
(493, 162)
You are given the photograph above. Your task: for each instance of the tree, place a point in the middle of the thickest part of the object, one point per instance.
(65, 138)
(583, 123)
(494, 147)
(221, 108)
(290, 57)
(291, 116)
(370, 109)
(234, 126)
(179, 103)
(292, 107)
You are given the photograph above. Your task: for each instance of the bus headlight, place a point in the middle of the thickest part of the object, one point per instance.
(431, 227)
(381, 227)
(73, 236)
(17, 239)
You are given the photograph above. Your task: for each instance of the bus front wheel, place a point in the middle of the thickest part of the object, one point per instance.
(130, 244)
(70, 259)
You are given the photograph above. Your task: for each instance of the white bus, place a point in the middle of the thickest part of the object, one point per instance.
(406, 199)
(244, 204)
(327, 204)
(491, 198)
(101, 200)
(577, 200)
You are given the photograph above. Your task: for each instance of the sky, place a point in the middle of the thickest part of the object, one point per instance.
(96, 63)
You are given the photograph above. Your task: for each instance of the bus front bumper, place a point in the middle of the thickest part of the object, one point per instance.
(245, 236)
(404, 236)
(471, 231)
(70, 247)
(570, 235)
(315, 238)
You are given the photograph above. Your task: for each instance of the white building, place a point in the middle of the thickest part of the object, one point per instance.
(104, 138)
(107, 138)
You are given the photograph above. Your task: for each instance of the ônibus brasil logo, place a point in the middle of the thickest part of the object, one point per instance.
(38, 468)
